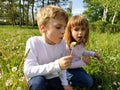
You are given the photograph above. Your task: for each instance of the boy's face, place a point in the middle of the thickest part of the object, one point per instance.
(54, 31)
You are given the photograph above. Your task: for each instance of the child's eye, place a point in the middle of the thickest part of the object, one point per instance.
(58, 27)
(76, 29)
(83, 29)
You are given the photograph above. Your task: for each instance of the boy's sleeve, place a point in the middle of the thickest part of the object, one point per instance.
(63, 78)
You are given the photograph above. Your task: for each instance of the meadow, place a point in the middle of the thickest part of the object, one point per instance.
(106, 72)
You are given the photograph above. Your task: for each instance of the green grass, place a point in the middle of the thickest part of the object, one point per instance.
(106, 73)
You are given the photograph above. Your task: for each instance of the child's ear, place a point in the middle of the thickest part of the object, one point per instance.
(42, 28)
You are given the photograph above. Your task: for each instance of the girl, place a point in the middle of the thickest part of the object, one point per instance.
(77, 30)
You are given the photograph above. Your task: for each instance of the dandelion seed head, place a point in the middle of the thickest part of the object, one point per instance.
(19, 88)
(73, 44)
(115, 83)
(113, 58)
(118, 83)
(14, 69)
(9, 82)
(1, 75)
(21, 78)
(99, 86)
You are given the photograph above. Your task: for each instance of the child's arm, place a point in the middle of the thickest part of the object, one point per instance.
(64, 81)
(32, 68)
(97, 55)
(88, 53)
(91, 53)
(78, 62)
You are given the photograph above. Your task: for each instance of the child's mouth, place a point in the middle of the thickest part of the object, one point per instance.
(80, 37)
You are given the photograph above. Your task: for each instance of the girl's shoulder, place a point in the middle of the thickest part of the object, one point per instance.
(81, 45)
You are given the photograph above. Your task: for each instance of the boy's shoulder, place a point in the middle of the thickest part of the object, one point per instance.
(34, 39)
(63, 43)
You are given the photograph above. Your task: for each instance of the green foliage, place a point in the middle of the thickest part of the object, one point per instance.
(98, 26)
(102, 9)
(12, 46)
(101, 26)
(106, 73)
(113, 28)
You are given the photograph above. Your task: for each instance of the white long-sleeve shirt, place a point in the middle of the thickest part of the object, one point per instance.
(42, 59)
(77, 52)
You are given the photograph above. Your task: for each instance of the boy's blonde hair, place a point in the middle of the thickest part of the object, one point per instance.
(76, 21)
(50, 11)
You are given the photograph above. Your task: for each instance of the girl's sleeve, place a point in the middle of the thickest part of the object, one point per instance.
(31, 66)
(88, 53)
(77, 63)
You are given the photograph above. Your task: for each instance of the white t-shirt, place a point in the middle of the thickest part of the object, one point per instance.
(42, 59)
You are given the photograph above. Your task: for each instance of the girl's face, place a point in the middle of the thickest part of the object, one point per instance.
(54, 31)
(78, 33)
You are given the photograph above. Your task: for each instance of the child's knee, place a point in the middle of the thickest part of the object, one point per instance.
(37, 82)
(89, 83)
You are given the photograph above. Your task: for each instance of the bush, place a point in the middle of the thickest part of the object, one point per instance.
(98, 26)
(113, 28)
(102, 27)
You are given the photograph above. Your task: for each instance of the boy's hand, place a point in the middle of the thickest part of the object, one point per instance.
(97, 56)
(65, 62)
(68, 87)
(86, 59)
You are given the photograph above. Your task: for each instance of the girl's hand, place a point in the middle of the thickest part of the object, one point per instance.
(97, 56)
(68, 87)
(86, 60)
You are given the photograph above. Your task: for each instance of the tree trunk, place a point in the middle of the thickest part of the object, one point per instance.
(113, 19)
(23, 13)
(104, 18)
(28, 13)
(20, 19)
(33, 13)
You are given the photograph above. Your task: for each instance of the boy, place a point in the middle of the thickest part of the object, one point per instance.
(44, 64)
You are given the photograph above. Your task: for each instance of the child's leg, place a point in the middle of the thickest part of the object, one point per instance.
(79, 77)
(37, 83)
(55, 84)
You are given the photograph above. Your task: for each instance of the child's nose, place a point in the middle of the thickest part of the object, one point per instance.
(80, 31)
(63, 31)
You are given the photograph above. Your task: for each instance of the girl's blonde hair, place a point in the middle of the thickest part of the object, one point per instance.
(76, 21)
(51, 11)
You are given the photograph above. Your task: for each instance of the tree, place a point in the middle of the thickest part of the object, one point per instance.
(105, 10)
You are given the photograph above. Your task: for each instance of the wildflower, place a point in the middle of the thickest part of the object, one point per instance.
(118, 88)
(9, 82)
(115, 73)
(119, 83)
(115, 83)
(72, 45)
(14, 69)
(8, 65)
(1, 75)
(99, 86)
(19, 88)
(21, 78)
(113, 58)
